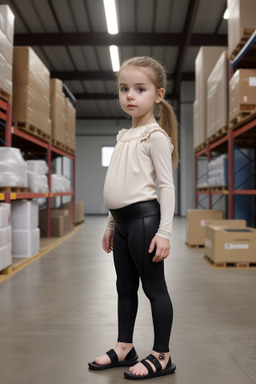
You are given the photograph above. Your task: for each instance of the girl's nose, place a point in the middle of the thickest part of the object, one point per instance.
(130, 95)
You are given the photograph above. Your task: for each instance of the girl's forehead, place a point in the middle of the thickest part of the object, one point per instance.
(134, 73)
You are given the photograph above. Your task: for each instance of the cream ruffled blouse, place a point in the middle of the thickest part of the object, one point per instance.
(141, 161)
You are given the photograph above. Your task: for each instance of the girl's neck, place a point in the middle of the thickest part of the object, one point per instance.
(145, 120)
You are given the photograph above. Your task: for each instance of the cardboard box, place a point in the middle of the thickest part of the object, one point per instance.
(59, 222)
(31, 90)
(70, 125)
(79, 212)
(204, 64)
(217, 96)
(58, 112)
(242, 92)
(197, 219)
(241, 20)
(230, 244)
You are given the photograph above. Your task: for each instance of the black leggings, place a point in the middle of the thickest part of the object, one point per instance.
(135, 227)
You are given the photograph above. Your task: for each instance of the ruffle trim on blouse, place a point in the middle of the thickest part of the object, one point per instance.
(142, 135)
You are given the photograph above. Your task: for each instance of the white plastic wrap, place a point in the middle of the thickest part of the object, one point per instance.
(39, 166)
(24, 215)
(218, 171)
(37, 183)
(5, 256)
(5, 215)
(5, 236)
(60, 183)
(13, 168)
(25, 243)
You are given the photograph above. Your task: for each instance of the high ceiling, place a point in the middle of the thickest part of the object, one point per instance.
(71, 38)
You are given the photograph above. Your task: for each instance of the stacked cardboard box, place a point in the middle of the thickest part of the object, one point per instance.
(242, 92)
(25, 231)
(217, 96)
(59, 222)
(230, 245)
(241, 22)
(31, 90)
(79, 212)
(197, 219)
(70, 130)
(6, 49)
(5, 236)
(204, 64)
(58, 112)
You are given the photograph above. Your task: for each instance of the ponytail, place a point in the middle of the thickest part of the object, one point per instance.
(169, 123)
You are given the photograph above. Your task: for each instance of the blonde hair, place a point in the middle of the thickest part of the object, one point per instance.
(163, 110)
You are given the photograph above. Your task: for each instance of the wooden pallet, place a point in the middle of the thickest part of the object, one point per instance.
(242, 118)
(194, 247)
(63, 147)
(201, 146)
(223, 189)
(13, 189)
(5, 96)
(33, 131)
(231, 265)
(218, 134)
(247, 32)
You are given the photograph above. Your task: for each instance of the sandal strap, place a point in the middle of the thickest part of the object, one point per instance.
(112, 355)
(148, 366)
(154, 361)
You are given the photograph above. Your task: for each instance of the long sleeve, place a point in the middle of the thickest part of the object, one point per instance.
(161, 149)
(110, 222)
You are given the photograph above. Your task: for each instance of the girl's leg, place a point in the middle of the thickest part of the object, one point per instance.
(127, 286)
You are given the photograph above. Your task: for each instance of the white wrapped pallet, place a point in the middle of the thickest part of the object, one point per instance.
(5, 215)
(24, 215)
(25, 243)
(13, 168)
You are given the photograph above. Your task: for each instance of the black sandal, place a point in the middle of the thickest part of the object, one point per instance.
(130, 360)
(169, 369)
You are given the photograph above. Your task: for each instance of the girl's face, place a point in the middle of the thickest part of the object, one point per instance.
(137, 94)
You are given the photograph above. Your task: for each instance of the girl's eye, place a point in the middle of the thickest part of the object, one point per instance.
(124, 89)
(141, 90)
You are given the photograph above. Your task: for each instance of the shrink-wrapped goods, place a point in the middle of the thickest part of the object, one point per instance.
(37, 179)
(5, 215)
(204, 64)
(6, 49)
(60, 183)
(24, 214)
(25, 243)
(5, 236)
(217, 96)
(13, 168)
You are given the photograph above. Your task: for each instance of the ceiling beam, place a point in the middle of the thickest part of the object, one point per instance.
(187, 38)
(104, 75)
(122, 39)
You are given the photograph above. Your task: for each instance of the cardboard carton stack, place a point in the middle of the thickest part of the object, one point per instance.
(230, 245)
(204, 64)
(70, 130)
(25, 231)
(241, 23)
(59, 222)
(6, 50)
(58, 112)
(31, 91)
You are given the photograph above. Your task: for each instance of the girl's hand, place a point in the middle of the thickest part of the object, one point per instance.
(162, 246)
(107, 241)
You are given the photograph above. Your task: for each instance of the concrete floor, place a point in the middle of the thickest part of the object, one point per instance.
(60, 311)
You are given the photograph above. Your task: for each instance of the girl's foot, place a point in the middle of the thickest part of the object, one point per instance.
(140, 370)
(121, 349)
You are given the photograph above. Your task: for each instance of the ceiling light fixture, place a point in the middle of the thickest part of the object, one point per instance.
(114, 54)
(226, 14)
(111, 16)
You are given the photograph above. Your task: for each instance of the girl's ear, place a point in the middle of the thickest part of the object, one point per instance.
(160, 95)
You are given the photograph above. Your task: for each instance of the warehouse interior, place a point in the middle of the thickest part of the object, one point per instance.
(59, 120)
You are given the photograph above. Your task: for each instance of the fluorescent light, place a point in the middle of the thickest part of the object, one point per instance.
(111, 16)
(226, 14)
(114, 54)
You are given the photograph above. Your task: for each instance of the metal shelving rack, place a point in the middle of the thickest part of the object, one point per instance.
(244, 133)
(25, 140)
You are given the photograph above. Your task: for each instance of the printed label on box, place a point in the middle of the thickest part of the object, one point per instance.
(236, 246)
(208, 242)
(205, 222)
(252, 81)
(245, 99)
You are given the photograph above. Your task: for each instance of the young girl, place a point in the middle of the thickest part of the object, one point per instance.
(138, 229)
